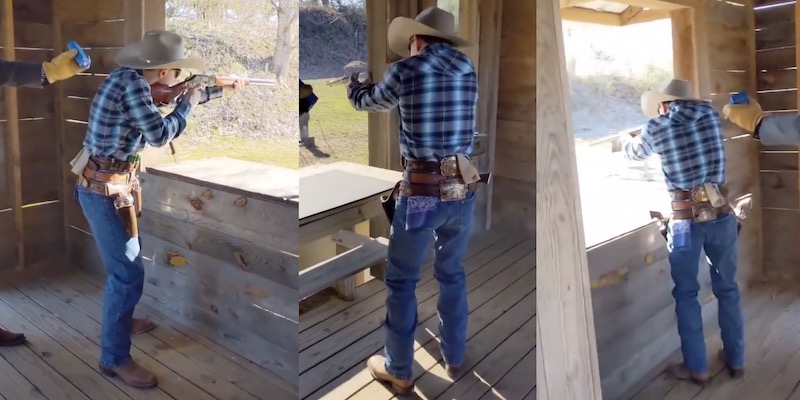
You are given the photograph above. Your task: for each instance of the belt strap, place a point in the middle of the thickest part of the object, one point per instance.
(680, 215)
(111, 165)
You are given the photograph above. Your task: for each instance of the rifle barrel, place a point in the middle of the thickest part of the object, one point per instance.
(261, 82)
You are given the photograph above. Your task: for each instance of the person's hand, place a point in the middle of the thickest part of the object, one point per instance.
(194, 95)
(746, 116)
(63, 66)
(238, 84)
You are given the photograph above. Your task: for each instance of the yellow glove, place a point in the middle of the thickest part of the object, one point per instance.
(747, 116)
(62, 67)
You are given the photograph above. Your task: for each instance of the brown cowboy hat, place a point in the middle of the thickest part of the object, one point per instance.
(677, 89)
(432, 21)
(158, 50)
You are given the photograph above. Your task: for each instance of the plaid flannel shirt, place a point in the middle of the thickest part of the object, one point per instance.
(437, 94)
(689, 141)
(123, 118)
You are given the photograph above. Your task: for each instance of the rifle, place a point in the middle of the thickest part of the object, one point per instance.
(164, 95)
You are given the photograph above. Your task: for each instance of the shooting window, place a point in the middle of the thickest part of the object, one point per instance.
(451, 6)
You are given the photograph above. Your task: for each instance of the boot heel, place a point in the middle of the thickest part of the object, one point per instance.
(107, 372)
(403, 391)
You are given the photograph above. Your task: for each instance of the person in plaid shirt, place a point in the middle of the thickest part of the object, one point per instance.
(123, 120)
(435, 88)
(686, 133)
(35, 75)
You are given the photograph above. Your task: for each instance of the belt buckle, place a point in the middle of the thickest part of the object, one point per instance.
(704, 212)
(448, 166)
(699, 194)
(452, 191)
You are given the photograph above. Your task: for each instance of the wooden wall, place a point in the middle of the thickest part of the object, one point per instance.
(514, 192)
(100, 27)
(29, 151)
(730, 32)
(777, 86)
(223, 259)
(634, 310)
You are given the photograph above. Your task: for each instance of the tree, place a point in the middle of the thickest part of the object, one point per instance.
(287, 13)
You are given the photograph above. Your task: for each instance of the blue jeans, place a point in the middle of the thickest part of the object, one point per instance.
(125, 276)
(450, 227)
(719, 240)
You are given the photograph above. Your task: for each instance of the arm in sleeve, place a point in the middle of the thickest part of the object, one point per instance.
(777, 130)
(382, 96)
(21, 74)
(640, 147)
(137, 103)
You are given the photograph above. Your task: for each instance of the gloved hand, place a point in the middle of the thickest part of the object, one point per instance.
(63, 66)
(746, 116)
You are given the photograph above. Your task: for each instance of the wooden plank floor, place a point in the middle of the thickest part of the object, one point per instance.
(337, 337)
(61, 317)
(772, 354)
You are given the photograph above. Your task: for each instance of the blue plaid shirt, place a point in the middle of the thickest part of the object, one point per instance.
(437, 94)
(689, 141)
(123, 118)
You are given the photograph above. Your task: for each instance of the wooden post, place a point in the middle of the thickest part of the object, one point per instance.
(566, 348)
(58, 125)
(13, 149)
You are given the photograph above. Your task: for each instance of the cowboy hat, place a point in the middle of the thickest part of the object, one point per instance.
(432, 21)
(677, 89)
(157, 50)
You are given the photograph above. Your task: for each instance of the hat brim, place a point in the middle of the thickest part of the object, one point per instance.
(129, 57)
(403, 28)
(651, 100)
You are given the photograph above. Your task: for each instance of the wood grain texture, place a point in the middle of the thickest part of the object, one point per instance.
(12, 135)
(567, 364)
(514, 167)
(271, 224)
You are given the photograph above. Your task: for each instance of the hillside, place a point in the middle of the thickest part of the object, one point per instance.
(258, 124)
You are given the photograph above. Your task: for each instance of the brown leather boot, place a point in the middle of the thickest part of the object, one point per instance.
(132, 374)
(142, 325)
(377, 367)
(11, 339)
(452, 371)
(681, 373)
(736, 373)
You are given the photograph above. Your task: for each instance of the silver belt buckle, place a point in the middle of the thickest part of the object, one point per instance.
(704, 212)
(452, 191)
(448, 166)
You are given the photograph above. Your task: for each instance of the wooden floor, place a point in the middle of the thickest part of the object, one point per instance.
(61, 318)
(772, 354)
(338, 337)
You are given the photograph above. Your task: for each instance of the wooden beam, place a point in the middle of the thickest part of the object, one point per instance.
(649, 16)
(134, 20)
(12, 142)
(666, 5)
(591, 16)
(489, 42)
(567, 351)
(58, 126)
(630, 13)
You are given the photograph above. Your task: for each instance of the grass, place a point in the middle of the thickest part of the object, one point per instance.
(336, 127)
(282, 153)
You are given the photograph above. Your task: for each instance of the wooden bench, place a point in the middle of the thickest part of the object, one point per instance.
(363, 253)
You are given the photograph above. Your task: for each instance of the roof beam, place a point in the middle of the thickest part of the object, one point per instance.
(590, 16)
(664, 5)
